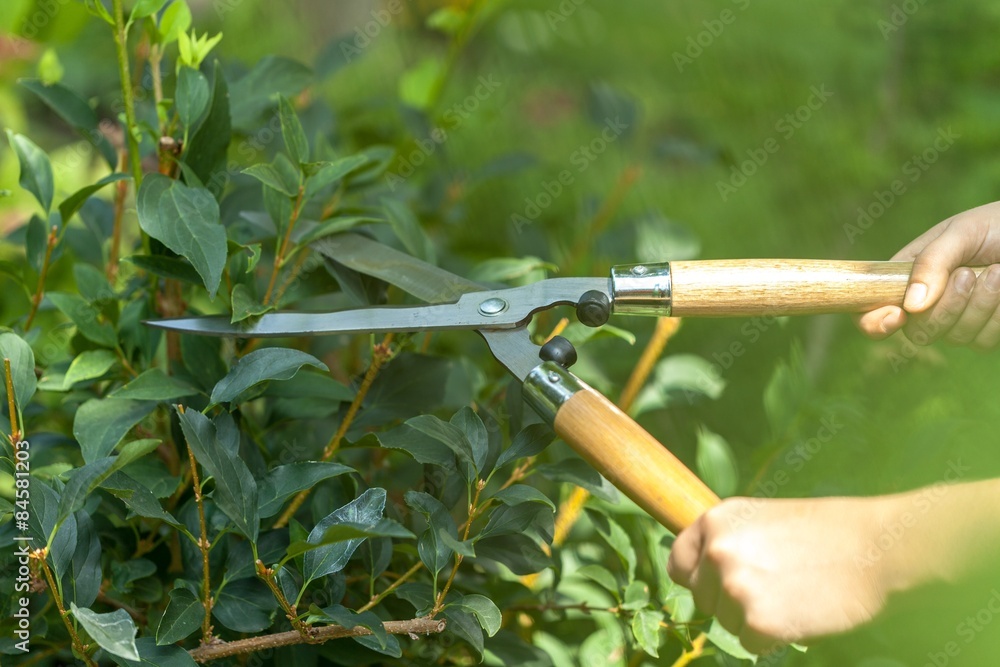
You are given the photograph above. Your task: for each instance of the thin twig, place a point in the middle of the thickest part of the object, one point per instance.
(266, 575)
(121, 190)
(473, 507)
(204, 545)
(381, 354)
(78, 646)
(393, 586)
(279, 259)
(416, 626)
(36, 300)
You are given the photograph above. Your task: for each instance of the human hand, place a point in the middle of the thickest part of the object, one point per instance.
(780, 571)
(944, 298)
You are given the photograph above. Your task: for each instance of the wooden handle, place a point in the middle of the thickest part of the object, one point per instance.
(722, 288)
(633, 460)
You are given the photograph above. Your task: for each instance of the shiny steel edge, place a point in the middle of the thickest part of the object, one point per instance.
(548, 386)
(641, 289)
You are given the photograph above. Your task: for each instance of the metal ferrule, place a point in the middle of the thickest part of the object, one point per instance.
(641, 289)
(548, 386)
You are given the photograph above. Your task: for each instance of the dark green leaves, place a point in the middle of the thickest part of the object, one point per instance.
(101, 423)
(291, 131)
(434, 547)
(192, 96)
(182, 616)
(74, 110)
(36, 170)
(22, 368)
(270, 363)
(529, 442)
(88, 320)
(483, 608)
(365, 510)
(72, 204)
(284, 481)
(153, 385)
(114, 632)
(90, 476)
(235, 488)
(186, 220)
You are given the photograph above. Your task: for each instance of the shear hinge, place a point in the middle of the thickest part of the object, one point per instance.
(641, 289)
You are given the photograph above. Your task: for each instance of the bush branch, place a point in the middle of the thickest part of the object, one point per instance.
(81, 649)
(416, 626)
(205, 546)
(121, 52)
(36, 300)
(380, 356)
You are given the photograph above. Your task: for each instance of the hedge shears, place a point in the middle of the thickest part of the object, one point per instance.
(621, 450)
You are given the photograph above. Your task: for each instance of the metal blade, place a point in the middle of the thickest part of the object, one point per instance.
(513, 349)
(494, 309)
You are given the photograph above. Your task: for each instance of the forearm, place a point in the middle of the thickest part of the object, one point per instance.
(943, 533)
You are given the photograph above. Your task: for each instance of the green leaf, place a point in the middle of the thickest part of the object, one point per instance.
(144, 8)
(157, 656)
(269, 363)
(617, 539)
(407, 229)
(485, 611)
(521, 270)
(636, 595)
(464, 625)
(207, 148)
(517, 494)
(186, 220)
(646, 629)
(282, 482)
(89, 365)
(272, 75)
(76, 112)
(531, 441)
(245, 606)
(434, 552)
(450, 436)
(420, 446)
(88, 320)
(191, 97)
(269, 175)
(101, 423)
(138, 498)
(328, 172)
(600, 575)
(166, 267)
(36, 170)
(87, 478)
(365, 510)
(72, 204)
(182, 616)
(175, 20)
(244, 305)
(514, 519)
(235, 488)
(345, 618)
(520, 553)
(727, 642)
(579, 472)
(345, 532)
(418, 84)
(22, 368)
(154, 385)
(467, 421)
(114, 632)
(292, 132)
(679, 377)
(716, 463)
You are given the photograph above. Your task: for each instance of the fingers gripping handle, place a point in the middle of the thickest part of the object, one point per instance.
(621, 450)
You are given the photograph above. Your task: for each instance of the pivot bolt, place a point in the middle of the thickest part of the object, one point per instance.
(639, 270)
(492, 307)
(594, 308)
(558, 350)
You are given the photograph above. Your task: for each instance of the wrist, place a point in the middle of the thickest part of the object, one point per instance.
(905, 529)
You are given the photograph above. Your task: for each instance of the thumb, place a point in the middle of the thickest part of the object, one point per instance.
(931, 269)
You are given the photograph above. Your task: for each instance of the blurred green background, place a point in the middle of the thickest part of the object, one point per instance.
(697, 90)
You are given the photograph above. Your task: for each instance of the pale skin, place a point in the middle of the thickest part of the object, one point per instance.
(776, 571)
